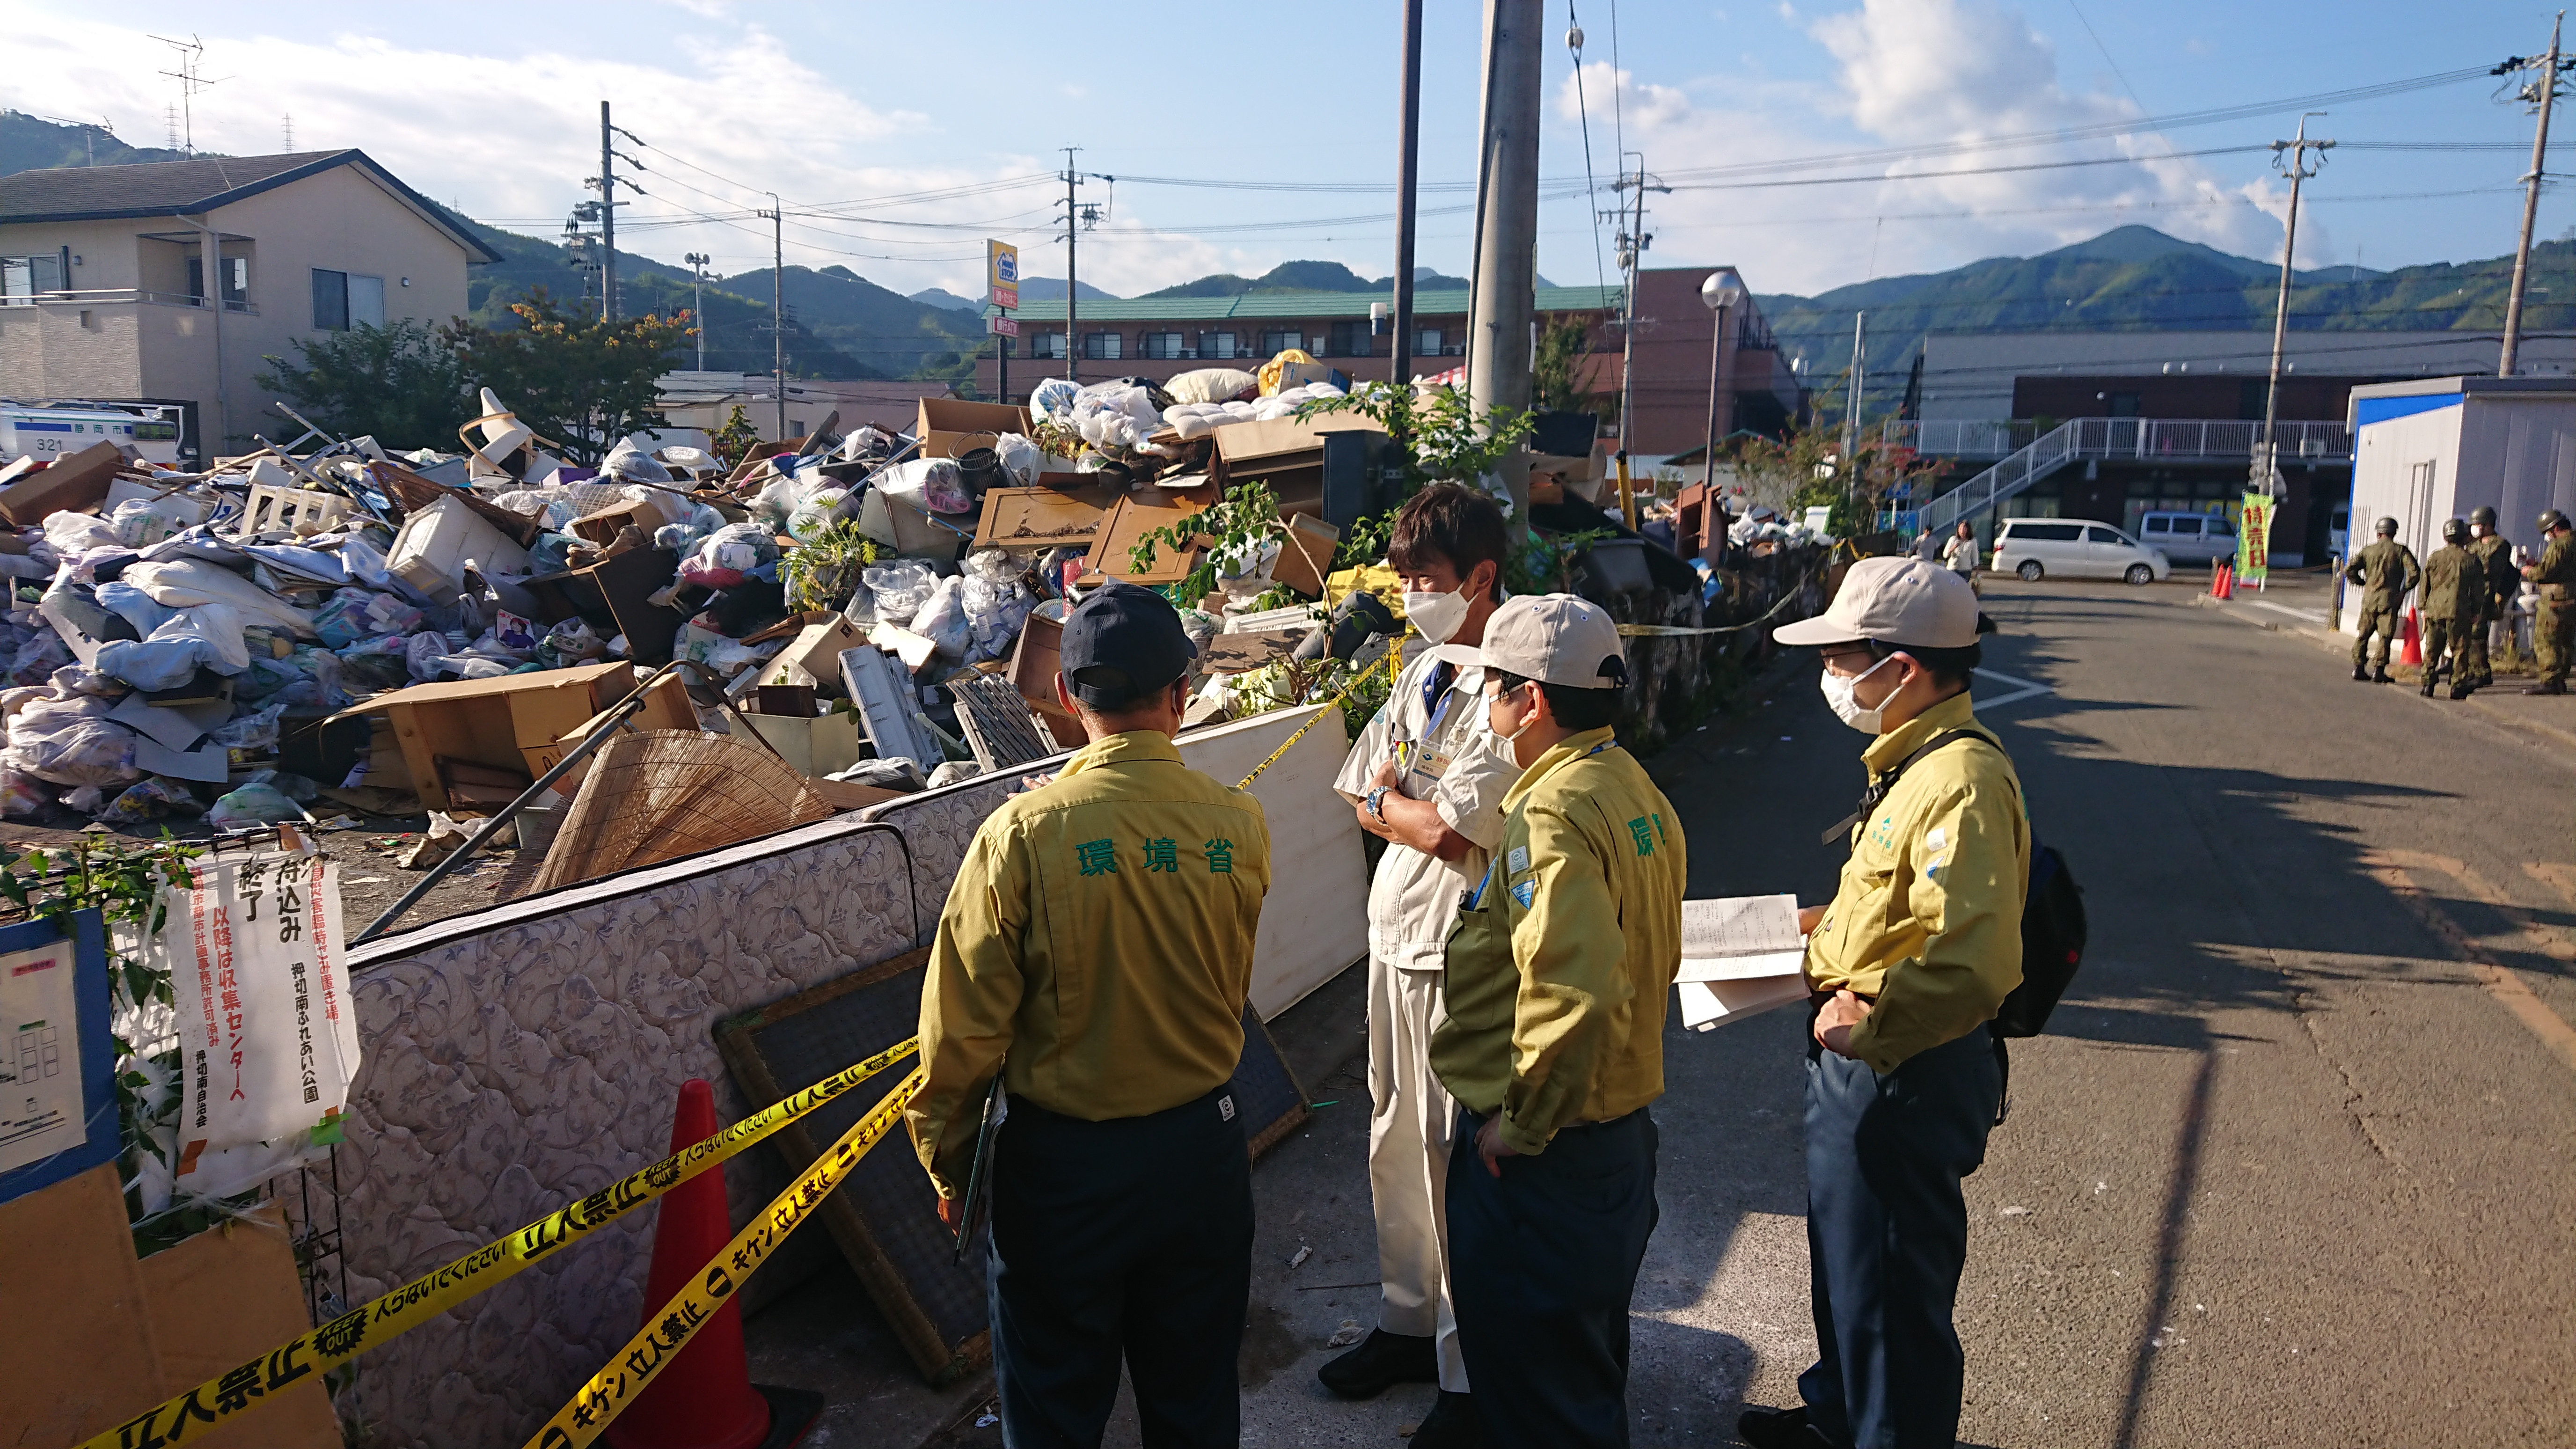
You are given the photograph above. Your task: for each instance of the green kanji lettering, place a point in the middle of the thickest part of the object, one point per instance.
(1220, 857)
(1645, 835)
(1163, 855)
(1096, 857)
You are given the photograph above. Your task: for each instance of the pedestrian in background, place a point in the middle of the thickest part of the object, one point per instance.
(2498, 583)
(2387, 573)
(1559, 971)
(2553, 631)
(2455, 587)
(1960, 553)
(1927, 546)
(1428, 777)
(1908, 963)
(1096, 951)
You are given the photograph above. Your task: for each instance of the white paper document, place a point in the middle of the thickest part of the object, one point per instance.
(1741, 955)
(40, 1069)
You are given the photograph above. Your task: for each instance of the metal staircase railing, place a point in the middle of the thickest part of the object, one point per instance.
(2045, 454)
(2160, 440)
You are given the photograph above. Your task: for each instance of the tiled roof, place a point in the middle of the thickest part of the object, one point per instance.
(1254, 306)
(170, 188)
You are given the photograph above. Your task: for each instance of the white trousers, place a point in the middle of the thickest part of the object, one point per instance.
(1411, 1119)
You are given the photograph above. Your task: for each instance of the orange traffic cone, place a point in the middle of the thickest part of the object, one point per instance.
(705, 1398)
(2222, 580)
(2411, 648)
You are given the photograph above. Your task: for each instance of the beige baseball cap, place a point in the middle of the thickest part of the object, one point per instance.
(1894, 601)
(1556, 639)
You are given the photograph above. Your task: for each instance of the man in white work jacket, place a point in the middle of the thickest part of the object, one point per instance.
(1428, 777)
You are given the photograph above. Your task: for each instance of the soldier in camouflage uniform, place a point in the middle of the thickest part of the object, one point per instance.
(2455, 587)
(2553, 634)
(2495, 565)
(2387, 572)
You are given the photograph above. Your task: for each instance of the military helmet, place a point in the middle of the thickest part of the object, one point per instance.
(2552, 521)
(2387, 528)
(2454, 531)
(2482, 516)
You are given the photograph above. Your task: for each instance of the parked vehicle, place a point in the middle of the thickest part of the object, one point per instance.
(2339, 531)
(2037, 548)
(51, 430)
(2189, 537)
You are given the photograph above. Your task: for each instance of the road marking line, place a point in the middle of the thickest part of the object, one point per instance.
(2304, 616)
(2391, 867)
(2028, 689)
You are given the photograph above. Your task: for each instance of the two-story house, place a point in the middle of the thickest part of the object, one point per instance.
(110, 277)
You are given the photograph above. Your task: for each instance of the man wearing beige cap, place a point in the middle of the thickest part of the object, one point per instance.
(1557, 975)
(1921, 943)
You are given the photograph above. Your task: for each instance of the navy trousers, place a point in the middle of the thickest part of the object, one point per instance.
(1887, 1234)
(1133, 1238)
(1542, 1262)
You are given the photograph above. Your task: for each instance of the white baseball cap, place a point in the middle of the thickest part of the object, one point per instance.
(1894, 601)
(1556, 639)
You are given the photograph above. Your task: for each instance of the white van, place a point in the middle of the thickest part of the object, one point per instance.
(2189, 537)
(2075, 548)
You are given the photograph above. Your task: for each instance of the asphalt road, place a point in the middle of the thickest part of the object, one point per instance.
(2292, 1167)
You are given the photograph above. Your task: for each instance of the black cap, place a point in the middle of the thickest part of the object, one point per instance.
(1121, 644)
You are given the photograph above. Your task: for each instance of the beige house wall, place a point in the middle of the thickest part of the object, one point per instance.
(164, 346)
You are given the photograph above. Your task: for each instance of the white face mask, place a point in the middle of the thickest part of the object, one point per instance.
(1438, 617)
(1526, 721)
(1839, 694)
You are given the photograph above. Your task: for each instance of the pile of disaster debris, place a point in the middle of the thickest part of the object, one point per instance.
(326, 627)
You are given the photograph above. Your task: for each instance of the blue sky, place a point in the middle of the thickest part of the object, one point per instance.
(902, 134)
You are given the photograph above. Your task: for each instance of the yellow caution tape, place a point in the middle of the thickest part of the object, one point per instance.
(1394, 671)
(313, 1354)
(667, 1328)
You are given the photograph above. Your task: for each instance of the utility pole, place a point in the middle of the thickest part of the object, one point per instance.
(2290, 158)
(1408, 150)
(698, 282)
(778, 308)
(2543, 96)
(608, 223)
(1851, 401)
(1498, 365)
(1072, 304)
(1633, 239)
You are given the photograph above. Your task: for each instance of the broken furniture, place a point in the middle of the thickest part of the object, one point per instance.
(1331, 466)
(614, 596)
(514, 723)
(659, 794)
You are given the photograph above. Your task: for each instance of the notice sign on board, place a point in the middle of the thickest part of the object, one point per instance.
(1002, 326)
(1002, 274)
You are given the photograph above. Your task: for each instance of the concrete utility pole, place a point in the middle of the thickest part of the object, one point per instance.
(2543, 94)
(2290, 158)
(778, 309)
(1851, 401)
(607, 224)
(698, 307)
(1408, 152)
(1498, 364)
(1072, 224)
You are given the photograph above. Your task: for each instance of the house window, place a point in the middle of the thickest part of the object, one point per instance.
(1274, 343)
(342, 300)
(1101, 345)
(1047, 344)
(236, 274)
(27, 276)
(1160, 345)
(1426, 342)
(1217, 344)
(1349, 339)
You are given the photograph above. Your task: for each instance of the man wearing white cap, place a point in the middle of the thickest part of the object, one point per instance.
(1921, 943)
(1558, 971)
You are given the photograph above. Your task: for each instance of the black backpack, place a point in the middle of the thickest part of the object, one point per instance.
(2052, 926)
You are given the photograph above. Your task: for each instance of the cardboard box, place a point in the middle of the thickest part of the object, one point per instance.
(1029, 520)
(512, 722)
(814, 745)
(227, 1295)
(1135, 516)
(666, 708)
(601, 527)
(1306, 555)
(850, 795)
(817, 652)
(949, 426)
(77, 484)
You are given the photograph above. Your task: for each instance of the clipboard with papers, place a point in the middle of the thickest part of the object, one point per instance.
(1741, 956)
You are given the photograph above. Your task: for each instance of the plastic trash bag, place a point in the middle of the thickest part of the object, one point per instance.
(553, 552)
(22, 793)
(421, 655)
(729, 555)
(932, 485)
(1021, 459)
(350, 615)
(252, 806)
(571, 642)
(148, 799)
(39, 657)
(256, 730)
(136, 522)
(71, 534)
(688, 533)
(1054, 397)
(134, 606)
(952, 771)
(899, 587)
(375, 664)
(632, 464)
(943, 619)
(898, 773)
(817, 513)
(77, 751)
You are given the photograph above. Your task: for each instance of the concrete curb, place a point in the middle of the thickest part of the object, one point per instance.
(2336, 643)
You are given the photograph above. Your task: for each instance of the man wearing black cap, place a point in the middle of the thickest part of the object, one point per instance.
(2553, 632)
(1096, 951)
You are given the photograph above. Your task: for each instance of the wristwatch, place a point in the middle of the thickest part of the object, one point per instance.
(1377, 801)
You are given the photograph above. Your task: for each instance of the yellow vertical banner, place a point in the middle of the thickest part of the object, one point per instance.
(2253, 538)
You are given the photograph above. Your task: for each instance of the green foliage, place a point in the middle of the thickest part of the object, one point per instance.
(579, 380)
(1249, 514)
(1443, 436)
(1541, 565)
(397, 382)
(824, 573)
(734, 441)
(1554, 385)
(1366, 542)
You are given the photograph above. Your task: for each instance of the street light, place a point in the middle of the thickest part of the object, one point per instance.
(1722, 290)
